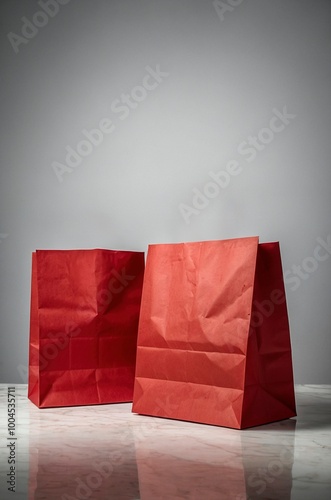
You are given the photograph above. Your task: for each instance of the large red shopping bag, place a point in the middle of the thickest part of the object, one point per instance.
(83, 331)
(213, 341)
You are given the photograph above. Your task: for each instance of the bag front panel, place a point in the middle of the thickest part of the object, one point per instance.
(193, 329)
(88, 321)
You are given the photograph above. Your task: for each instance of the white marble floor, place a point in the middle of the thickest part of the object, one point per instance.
(106, 452)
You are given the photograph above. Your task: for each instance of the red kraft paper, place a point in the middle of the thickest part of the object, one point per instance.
(213, 342)
(84, 320)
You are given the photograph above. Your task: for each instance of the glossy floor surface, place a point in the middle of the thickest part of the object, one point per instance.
(106, 452)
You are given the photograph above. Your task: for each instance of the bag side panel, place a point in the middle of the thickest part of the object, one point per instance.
(269, 387)
(33, 379)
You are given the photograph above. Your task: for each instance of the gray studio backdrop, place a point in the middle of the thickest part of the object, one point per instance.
(130, 122)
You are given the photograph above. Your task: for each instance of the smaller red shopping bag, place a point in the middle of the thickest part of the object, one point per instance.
(83, 329)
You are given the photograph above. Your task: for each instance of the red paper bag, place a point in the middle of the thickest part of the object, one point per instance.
(84, 321)
(213, 342)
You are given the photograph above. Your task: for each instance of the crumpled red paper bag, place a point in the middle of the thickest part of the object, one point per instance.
(213, 342)
(84, 319)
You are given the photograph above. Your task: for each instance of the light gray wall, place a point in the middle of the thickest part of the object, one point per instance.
(225, 71)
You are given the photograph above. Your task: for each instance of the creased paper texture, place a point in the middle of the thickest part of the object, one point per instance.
(203, 355)
(84, 320)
